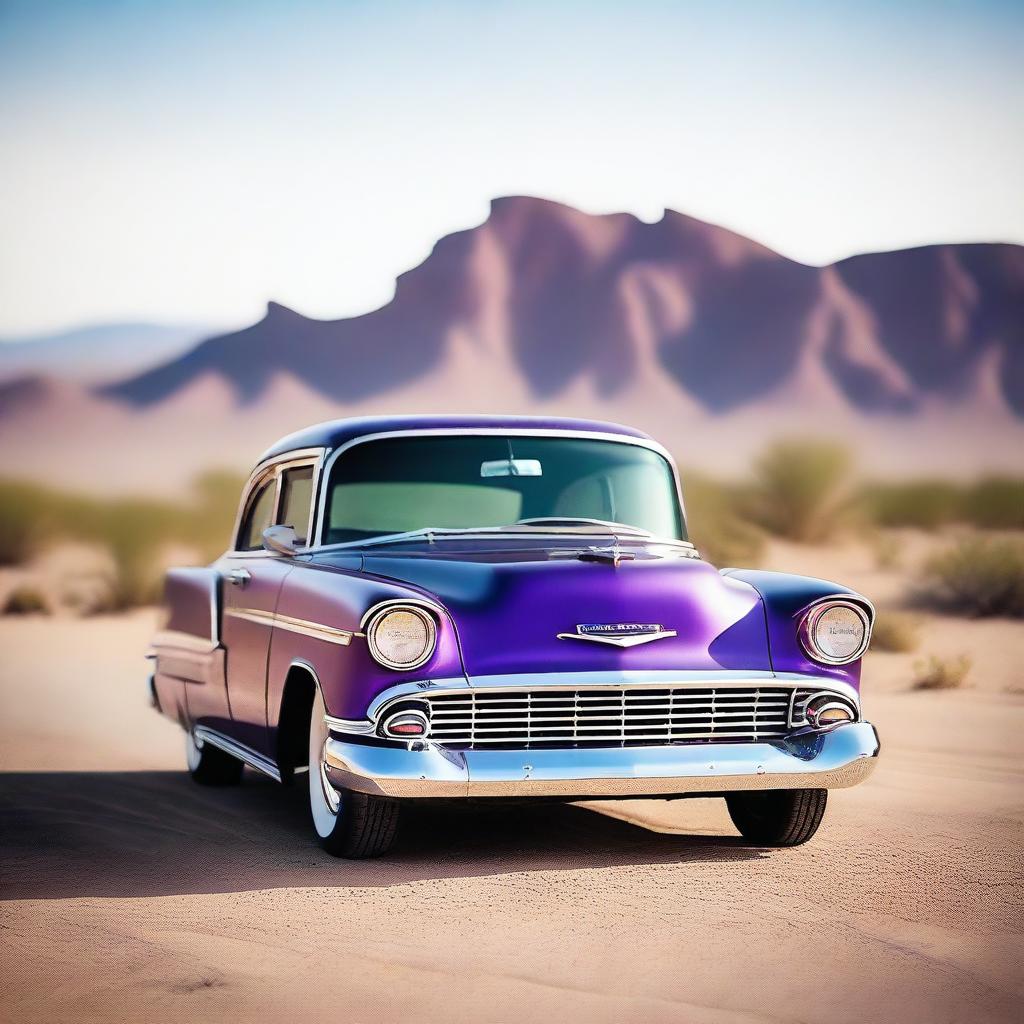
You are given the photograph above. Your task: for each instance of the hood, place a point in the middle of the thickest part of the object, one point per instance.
(510, 607)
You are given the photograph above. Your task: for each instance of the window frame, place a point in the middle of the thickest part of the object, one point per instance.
(275, 469)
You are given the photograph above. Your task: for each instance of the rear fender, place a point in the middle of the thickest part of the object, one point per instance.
(188, 649)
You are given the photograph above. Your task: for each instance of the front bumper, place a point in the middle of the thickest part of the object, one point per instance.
(841, 757)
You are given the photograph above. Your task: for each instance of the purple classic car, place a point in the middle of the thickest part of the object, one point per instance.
(497, 608)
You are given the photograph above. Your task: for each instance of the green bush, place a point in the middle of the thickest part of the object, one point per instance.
(25, 600)
(977, 576)
(716, 528)
(801, 490)
(936, 673)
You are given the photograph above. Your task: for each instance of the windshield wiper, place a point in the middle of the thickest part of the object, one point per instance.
(569, 522)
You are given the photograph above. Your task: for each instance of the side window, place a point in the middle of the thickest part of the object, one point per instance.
(257, 516)
(296, 496)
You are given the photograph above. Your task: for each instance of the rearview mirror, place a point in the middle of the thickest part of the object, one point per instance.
(280, 540)
(511, 467)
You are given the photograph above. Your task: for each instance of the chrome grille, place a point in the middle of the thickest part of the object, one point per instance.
(609, 716)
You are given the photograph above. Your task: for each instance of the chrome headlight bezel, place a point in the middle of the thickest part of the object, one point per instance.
(811, 620)
(378, 617)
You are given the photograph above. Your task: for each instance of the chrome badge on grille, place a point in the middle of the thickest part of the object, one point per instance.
(619, 634)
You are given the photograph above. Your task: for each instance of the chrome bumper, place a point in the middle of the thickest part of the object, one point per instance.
(842, 757)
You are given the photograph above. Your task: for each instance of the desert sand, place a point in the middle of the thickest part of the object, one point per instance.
(127, 892)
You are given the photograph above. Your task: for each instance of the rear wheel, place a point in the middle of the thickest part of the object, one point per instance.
(348, 824)
(209, 765)
(780, 817)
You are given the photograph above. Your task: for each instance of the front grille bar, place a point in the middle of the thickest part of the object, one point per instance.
(552, 717)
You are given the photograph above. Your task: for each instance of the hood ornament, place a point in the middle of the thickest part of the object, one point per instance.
(619, 634)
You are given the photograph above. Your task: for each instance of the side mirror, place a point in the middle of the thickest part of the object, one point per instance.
(280, 540)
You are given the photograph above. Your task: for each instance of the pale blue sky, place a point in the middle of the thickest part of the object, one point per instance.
(188, 161)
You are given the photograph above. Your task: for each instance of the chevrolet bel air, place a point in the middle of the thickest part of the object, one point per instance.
(496, 608)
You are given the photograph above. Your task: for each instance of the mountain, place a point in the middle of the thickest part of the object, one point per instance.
(706, 339)
(571, 296)
(99, 353)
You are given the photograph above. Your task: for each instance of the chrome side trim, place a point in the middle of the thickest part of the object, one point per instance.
(350, 726)
(839, 758)
(178, 640)
(328, 462)
(202, 734)
(314, 629)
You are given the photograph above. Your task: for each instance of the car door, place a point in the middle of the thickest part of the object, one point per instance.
(280, 495)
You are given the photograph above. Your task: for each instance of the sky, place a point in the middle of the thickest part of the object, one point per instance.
(188, 161)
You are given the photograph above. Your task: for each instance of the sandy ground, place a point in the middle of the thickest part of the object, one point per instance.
(127, 892)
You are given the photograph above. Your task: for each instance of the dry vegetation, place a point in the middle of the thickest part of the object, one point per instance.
(935, 673)
(896, 632)
(805, 492)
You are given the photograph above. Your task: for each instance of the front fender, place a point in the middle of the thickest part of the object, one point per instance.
(787, 599)
(339, 597)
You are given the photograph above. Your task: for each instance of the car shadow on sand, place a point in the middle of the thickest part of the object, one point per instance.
(130, 834)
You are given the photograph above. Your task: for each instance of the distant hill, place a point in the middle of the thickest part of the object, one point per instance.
(698, 335)
(570, 296)
(92, 355)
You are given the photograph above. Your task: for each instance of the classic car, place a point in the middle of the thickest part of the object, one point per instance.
(504, 608)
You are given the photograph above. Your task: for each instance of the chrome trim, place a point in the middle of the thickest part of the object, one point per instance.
(619, 641)
(836, 759)
(391, 602)
(350, 726)
(178, 640)
(372, 619)
(614, 680)
(203, 734)
(408, 713)
(277, 465)
(329, 460)
(317, 630)
(817, 609)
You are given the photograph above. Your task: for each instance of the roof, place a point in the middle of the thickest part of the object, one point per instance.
(334, 433)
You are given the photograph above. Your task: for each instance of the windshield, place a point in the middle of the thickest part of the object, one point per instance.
(396, 485)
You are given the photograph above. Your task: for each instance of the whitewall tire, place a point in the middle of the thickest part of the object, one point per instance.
(347, 824)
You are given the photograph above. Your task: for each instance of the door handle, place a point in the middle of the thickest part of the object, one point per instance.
(238, 577)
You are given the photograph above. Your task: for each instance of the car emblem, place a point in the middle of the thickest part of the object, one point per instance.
(619, 634)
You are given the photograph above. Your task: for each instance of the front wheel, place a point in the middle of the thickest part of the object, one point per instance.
(778, 817)
(348, 824)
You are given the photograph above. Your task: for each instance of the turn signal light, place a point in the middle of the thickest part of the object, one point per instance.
(406, 725)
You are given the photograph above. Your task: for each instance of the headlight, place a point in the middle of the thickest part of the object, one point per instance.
(401, 636)
(836, 632)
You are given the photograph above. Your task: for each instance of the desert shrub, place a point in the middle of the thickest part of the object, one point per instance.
(29, 516)
(992, 503)
(925, 504)
(801, 490)
(995, 503)
(977, 576)
(721, 535)
(934, 673)
(896, 632)
(134, 531)
(213, 511)
(25, 600)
